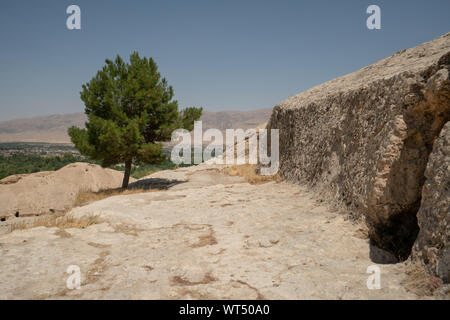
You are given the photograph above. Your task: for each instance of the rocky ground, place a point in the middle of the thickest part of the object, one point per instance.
(209, 236)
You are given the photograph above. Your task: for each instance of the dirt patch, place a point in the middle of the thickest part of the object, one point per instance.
(208, 237)
(127, 229)
(97, 268)
(99, 245)
(205, 240)
(148, 268)
(259, 296)
(63, 233)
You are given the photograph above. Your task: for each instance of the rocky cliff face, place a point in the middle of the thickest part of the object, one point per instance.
(433, 242)
(365, 139)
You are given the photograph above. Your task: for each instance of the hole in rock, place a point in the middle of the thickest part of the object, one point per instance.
(392, 242)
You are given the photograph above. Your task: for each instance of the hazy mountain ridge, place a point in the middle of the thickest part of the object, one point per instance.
(53, 128)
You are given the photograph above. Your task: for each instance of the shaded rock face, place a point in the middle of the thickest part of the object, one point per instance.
(433, 242)
(364, 139)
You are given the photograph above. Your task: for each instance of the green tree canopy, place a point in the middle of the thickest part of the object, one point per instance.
(130, 110)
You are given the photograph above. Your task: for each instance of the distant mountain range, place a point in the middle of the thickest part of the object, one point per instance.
(53, 128)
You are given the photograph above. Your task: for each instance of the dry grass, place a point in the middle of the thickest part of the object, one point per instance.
(419, 281)
(62, 233)
(97, 268)
(56, 220)
(205, 240)
(86, 197)
(249, 173)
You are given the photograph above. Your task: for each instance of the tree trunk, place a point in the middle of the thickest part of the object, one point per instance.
(126, 176)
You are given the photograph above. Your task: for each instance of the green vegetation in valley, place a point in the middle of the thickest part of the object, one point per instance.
(23, 163)
(28, 163)
(37, 148)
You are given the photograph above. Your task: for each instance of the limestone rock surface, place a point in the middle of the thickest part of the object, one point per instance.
(364, 139)
(433, 242)
(51, 191)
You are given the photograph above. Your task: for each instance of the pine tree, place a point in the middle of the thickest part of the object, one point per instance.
(130, 110)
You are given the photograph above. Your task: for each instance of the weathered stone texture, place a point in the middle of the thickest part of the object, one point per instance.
(52, 191)
(433, 242)
(364, 139)
(210, 237)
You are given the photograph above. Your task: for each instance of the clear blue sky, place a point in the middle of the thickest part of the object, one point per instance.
(222, 55)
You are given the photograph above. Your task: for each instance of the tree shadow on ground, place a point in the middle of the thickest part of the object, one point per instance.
(154, 183)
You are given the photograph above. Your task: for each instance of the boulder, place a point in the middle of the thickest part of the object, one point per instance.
(433, 242)
(53, 191)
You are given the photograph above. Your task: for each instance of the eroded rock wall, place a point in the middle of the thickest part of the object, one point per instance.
(433, 242)
(364, 139)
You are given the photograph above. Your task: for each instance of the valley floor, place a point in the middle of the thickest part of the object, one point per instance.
(211, 236)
